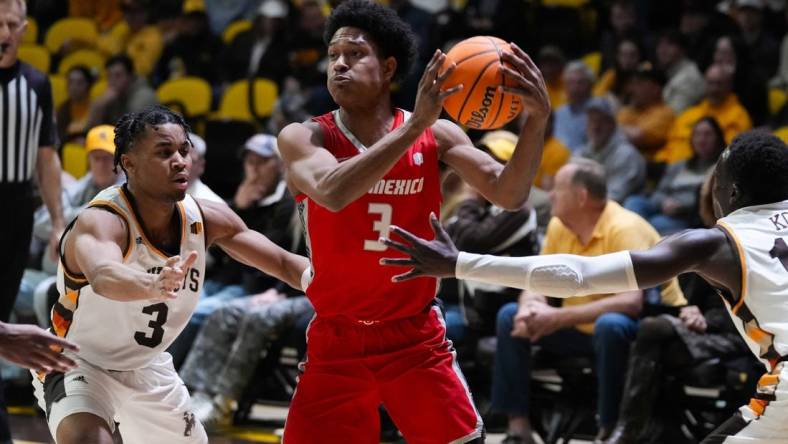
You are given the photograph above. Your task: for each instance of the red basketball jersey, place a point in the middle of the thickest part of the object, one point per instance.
(343, 246)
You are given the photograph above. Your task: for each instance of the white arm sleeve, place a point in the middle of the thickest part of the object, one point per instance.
(556, 275)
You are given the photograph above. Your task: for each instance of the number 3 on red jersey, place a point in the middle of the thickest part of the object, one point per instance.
(380, 226)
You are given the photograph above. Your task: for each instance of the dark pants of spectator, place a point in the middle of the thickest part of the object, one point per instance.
(609, 345)
(16, 229)
(650, 211)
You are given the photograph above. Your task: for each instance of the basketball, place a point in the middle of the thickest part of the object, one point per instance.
(479, 105)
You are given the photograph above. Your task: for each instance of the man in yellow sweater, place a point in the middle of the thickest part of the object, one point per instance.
(720, 103)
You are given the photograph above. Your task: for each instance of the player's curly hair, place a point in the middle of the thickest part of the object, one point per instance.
(132, 125)
(392, 36)
(758, 165)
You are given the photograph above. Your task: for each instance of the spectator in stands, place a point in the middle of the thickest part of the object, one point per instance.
(307, 49)
(72, 116)
(647, 119)
(625, 167)
(226, 352)
(585, 222)
(780, 79)
(685, 84)
(134, 36)
(194, 49)
(761, 46)
(196, 187)
(615, 80)
(570, 118)
(264, 204)
(262, 50)
(673, 206)
(551, 62)
(623, 24)
(126, 92)
(720, 102)
(749, 78)
(106, 13)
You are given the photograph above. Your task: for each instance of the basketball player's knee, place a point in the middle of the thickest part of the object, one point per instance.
(83, 428)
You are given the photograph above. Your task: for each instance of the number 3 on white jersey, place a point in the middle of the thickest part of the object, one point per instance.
(381, 226)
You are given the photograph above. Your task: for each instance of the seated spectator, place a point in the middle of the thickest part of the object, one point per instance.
(197, 188)
(674, 204)
(570, 118)
(625, 167)
(106, 13)
(623, 24)
(551, 62)
(264, 204)
(647, 119)
(720, 102)
(615, 80)
(226, 352)
(72, 116)
(261, 50)
(193, 50)
(749, 78)
(585, 222)
(307, 49)
(135, 37)
(758, 42)
(126, 92)
(685, 84)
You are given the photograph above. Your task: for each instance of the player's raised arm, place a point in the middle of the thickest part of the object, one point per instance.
(507, 185)
(316, 172)
(705, 251)
(95, 247)
(226, 229)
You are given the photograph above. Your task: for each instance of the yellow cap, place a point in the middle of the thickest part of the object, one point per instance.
(101, 137)
(193, 6)
(500, 143)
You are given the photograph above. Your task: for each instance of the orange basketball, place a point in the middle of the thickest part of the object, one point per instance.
(479, 105)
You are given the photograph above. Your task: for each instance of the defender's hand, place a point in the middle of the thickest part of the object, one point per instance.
(32, 347)
(437, 257)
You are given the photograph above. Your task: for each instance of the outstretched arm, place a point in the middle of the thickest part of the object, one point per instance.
(224, 228)
(565, 275)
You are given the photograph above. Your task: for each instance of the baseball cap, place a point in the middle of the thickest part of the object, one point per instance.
(601, 105)
(501, 143)
(198, 144)
(263, 145)
(273, 9)
(101, 137)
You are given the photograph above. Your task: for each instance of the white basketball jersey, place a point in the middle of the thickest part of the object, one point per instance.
(118, 335)
(760, 234)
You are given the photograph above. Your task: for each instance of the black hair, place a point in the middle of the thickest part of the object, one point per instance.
(121, 59)
(86, 72)
(675, 37)
(132, 125)
(758, 165)
(392, 36)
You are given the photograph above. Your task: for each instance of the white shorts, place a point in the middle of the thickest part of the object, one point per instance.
(151, 401)
(764, 420)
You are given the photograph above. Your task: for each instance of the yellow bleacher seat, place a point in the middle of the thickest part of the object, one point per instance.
(782, 133)
(233, 29)
(777, 98)
(75, 160)
(98, 88)
(87, 57)
(78, 28)
(190, 95)
(31, 33)
(235, 103)
(59, 89)
(36, 56)
(594, 61)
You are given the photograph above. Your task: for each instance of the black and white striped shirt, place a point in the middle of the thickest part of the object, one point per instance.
(26, 121)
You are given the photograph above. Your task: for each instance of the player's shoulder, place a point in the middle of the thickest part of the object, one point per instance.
(102, 223)
(297, 133)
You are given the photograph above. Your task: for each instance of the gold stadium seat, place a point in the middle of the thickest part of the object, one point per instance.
(31, 33)
(87, 57)
(233, 29)
(777, 99)
(59, 89)
(191, 96)
(35, 55)
(75, 160)
(594, 61)
(235, 101)
(77, 28)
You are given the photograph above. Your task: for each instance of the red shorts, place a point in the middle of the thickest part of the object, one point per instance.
(405, 364)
